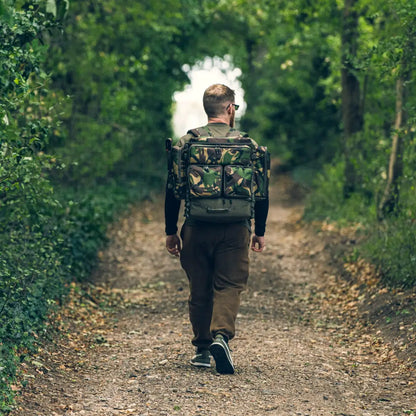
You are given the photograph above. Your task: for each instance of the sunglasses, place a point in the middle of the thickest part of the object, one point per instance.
(236, 106)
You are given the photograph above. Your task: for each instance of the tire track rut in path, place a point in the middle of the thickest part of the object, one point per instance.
(286, 363)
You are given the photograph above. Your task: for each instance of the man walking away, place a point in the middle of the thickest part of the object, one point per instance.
(214, 252)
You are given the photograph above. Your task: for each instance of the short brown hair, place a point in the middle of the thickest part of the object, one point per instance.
(216, 98)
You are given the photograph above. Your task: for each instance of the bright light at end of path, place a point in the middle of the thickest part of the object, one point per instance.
(189, 111)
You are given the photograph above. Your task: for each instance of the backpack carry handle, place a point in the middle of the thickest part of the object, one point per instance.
(217, 210)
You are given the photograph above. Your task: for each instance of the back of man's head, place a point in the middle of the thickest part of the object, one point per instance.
(216, 99)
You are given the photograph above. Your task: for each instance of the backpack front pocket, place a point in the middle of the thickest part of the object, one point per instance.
(204, 154)
(205, 181)
(238, 181)
(240, 155)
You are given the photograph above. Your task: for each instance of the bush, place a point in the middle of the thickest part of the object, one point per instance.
(327, 201)
(391, 247)
(30, 262)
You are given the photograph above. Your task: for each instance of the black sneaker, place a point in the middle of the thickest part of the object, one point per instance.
(222, 356)
(202, 358)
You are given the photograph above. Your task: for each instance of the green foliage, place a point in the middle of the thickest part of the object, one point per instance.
(386, 53)
(85, 106)
(294, 94)
(119, 65)
(25, 195)
(47, 237)
(391, 246)
(327, 202)
(30, 264)
(83, 219)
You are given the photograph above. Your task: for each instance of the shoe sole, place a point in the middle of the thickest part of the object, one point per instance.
(200, 364)
(223, 361)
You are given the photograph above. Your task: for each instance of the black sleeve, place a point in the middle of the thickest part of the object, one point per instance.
(172, 207)
(261, 209)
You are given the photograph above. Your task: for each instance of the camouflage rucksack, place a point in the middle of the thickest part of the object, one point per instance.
(220, 178)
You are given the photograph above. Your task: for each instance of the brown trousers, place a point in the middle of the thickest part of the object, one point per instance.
(215, 259)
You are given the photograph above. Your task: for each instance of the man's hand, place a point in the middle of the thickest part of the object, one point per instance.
(257, 243)
(173, 244)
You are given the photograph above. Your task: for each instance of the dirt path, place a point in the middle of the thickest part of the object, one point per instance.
(296, 352)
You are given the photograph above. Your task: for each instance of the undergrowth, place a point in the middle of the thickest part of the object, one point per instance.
(389, 244)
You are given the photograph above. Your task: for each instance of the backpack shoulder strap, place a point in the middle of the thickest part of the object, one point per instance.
(194, 132)
(236, 133)
(233, 133)
(200, 131)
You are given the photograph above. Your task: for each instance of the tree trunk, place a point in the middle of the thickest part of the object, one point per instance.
(389, 201)
(352, 117)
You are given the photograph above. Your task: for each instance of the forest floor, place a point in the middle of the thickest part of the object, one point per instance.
(316, 334)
